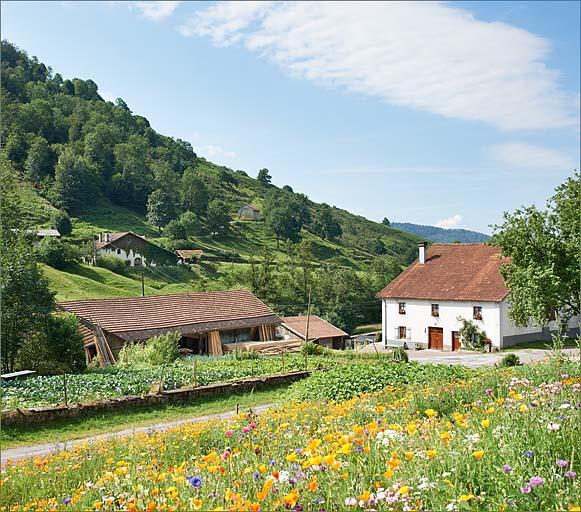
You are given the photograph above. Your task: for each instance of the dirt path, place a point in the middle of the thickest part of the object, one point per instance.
(41, 450)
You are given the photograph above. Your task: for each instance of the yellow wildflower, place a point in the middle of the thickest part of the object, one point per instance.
(404, 489)
(485, 423)
(478, 454)
(409, 455)
(430, 413)
(466, 497)
(431, 454)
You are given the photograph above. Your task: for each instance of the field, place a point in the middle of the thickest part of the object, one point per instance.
(118, 381)
(506, 440)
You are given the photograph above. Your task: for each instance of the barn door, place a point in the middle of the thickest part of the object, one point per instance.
(456, 340)
(436, 338)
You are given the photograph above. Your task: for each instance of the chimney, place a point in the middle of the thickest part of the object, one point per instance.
(422, 251)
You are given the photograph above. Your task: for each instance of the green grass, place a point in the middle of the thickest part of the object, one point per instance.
(361, 329)
(89, 425)
(541, 344)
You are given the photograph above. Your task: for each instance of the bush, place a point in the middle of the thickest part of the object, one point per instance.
(157, 351)
(242, 355)
(58, 254)
(113, 264)
(510, 360)
(311, 349)
(59, 349)
(176, 230)
(472, 337)
(399, 355)
(62, 222)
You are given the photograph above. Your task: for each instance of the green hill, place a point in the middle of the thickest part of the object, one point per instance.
(111, 171)
(435, 234)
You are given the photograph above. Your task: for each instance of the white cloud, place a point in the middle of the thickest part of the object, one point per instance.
(156, 11)
(520, 154)
(422, 55)
(213, 150)
(450, 222)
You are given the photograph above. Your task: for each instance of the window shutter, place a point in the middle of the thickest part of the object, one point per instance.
(396, 337)
(408, 333)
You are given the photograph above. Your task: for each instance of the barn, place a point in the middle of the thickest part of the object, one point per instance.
(207, 321)
(320, 331)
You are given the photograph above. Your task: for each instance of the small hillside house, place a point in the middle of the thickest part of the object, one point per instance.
(187, 256)
(206, 321)
(133, 249)
(423, 306)
(320, 331)
(248, 212)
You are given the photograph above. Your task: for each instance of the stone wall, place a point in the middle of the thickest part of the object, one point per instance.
(183, 395)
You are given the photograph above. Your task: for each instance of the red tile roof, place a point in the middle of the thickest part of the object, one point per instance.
(113, 237)
(452, 272)
(318, 328)
(143, 317)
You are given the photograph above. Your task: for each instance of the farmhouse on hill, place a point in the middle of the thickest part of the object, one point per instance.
(425, 305)
(248, 212)
(205, 320)
(133, 249)
(320, 331)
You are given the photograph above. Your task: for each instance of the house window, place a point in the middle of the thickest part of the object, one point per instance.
(401, 333)
(435, 310)
(402, 308)
(118, 251)
(477, 313)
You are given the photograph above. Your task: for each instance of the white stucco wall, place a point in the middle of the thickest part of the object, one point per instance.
(125, 256)
(509, 329)
(419, 317)
(495, 322)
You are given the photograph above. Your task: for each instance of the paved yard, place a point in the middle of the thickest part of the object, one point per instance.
(471, 359)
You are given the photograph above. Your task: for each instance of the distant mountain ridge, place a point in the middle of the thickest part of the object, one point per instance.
(442, 235)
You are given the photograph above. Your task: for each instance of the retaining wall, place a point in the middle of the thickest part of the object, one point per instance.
(190, 394)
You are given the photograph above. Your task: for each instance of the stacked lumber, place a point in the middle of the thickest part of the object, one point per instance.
(264, 347)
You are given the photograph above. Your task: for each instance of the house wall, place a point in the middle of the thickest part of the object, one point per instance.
(495, 322)
(419, 317)
(130, 247)
(512, 334)
(128, 256)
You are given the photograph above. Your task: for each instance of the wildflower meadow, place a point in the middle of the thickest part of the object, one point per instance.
(504, 440)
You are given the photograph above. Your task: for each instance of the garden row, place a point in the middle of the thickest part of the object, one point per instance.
(503, 441)
(334, 377)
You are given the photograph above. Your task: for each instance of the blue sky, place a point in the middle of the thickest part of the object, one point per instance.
(434, 113)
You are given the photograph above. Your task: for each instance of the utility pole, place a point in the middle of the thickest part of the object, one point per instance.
(308, 315)
(142, 284)
(94, 247)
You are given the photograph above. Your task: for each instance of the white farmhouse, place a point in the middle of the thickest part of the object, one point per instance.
(424, 305)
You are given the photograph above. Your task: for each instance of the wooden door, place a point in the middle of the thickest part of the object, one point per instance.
(436, 338)
(456, 340)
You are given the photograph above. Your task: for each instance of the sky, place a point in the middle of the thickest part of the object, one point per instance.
(444, 114)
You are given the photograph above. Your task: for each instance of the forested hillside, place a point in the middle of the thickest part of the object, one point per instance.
(435, 234)
(96, 163)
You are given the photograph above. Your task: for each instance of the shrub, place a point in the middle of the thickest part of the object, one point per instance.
(176, 230)
(473, 338)
(310, 348)
(58, 254)
(510, 359)
(399, 355)
(242, 355)
(113, 264)
(62, 222)
(157, 351)
(59, 349)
